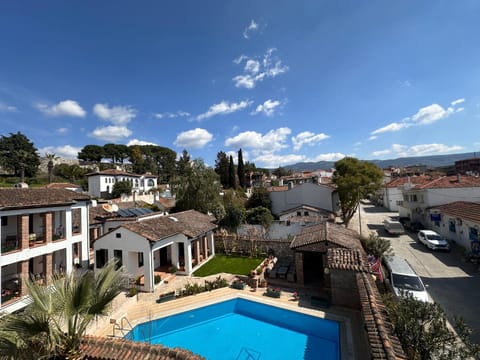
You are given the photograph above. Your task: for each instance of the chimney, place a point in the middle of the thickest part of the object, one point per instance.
(459, 177)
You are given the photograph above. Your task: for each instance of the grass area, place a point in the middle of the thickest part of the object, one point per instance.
(228, 264)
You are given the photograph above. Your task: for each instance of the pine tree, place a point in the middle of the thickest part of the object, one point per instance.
(232, 181)
(241, 170)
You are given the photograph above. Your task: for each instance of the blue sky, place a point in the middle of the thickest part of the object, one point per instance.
(285, 81)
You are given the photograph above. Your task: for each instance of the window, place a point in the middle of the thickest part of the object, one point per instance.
(451, 226)
(473, 234)
(106, 181)
(305, 213)
(118, 235)
(151, 182)
(4, 221)
(101, 258)
(140, 259)
(299, 213)
(117, 254)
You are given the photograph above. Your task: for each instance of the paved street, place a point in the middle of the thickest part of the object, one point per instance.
(451, 282)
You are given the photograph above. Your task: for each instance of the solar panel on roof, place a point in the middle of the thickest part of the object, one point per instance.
(136, 211)
(123, 213)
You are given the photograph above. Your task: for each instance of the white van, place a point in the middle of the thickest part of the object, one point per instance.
(393, 227)
(404, 280)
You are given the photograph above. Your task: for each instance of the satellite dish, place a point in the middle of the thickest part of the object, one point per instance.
(107, 207)
(114, 207)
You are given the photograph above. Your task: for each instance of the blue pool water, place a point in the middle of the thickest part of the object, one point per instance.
(242, 329)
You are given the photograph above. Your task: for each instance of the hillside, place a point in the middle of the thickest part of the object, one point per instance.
(430, 161)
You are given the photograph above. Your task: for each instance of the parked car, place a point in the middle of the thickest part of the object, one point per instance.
(433, 240)
(404, 279)
(393, 227)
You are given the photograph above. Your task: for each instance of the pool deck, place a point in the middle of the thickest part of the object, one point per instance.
(127, 312)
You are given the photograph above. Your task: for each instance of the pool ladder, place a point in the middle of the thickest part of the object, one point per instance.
(121, 327)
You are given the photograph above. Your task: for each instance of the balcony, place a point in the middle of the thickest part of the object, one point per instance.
(10, 243)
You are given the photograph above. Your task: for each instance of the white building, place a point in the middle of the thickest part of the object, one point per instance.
(391, 193)
(304, 197)
(183, 240)
(438, 191)
(100, 183)
(458, 221)
(43, 232)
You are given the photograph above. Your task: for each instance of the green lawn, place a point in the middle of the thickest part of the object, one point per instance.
(228, 264)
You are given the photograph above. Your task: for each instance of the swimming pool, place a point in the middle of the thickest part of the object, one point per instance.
(244, 329)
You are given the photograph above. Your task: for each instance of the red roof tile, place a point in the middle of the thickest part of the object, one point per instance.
(414, 180)
(12, 198)
(334, 233)
(96, 348)
(447, 182)
(461, 209)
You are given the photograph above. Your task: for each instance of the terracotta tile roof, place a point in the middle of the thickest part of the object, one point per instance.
(384, 344)
(306, 207)
(278, 188)
(95, 348)
(62, 186)
(414, 180)
(448, 182)
(191, 223)
(334, 233)
(461, 209)
(347, 259)
(11, 198)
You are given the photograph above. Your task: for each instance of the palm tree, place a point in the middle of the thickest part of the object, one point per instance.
(53, 325)
(51, 158)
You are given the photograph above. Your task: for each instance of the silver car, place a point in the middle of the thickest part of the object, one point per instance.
(433, 240)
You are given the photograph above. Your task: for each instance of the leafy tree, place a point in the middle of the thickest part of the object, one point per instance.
(19, 155)
(51, 158)
(221, 168)
(281, 171)
(377, 246)
(232, 181)
(183, 163)
(259, 197)
(234, 216)
(53, 325)
(137, 159)
(259, 215)
(241, 170)
(70, 172)
(354, 180)
(121, 187)
(164, 160)
(199, 189)
(423, 331)
(92, 153)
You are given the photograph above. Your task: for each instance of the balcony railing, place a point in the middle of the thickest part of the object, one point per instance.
(10, 243)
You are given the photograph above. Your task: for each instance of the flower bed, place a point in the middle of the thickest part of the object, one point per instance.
(238, 284)
(274, 293)
(165, 297)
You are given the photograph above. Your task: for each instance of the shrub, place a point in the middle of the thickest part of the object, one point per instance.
(377, 246)
(157, 278)
(172, 269)
(132, 291)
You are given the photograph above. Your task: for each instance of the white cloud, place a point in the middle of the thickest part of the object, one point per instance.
(432, 113)
(327, 157)
(373, 137)
(271, 160)
(117, 115)
(418, 150)
(63, 108)
(65, 151)
(458, 101)
(224, 107)
(381, 152)
(406, 83)
(169, 115)
(272, 141)
(111, 133)
(307, 138)
(250, 29)
(390, 128)
(62, 130)
(424, 116)
(7, 108)
(193, 139)
(256, 71)
(268, 107)
(139, 142)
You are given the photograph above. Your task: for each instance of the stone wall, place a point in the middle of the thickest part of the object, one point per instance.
(344, 289)
(232, 244)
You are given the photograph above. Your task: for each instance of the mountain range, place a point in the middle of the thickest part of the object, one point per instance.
(432, 161)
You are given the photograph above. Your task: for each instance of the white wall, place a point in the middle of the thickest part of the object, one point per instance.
(433, 197)
(315, 195)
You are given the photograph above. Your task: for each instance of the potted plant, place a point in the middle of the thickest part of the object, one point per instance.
(238, 284)
(273, 292)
